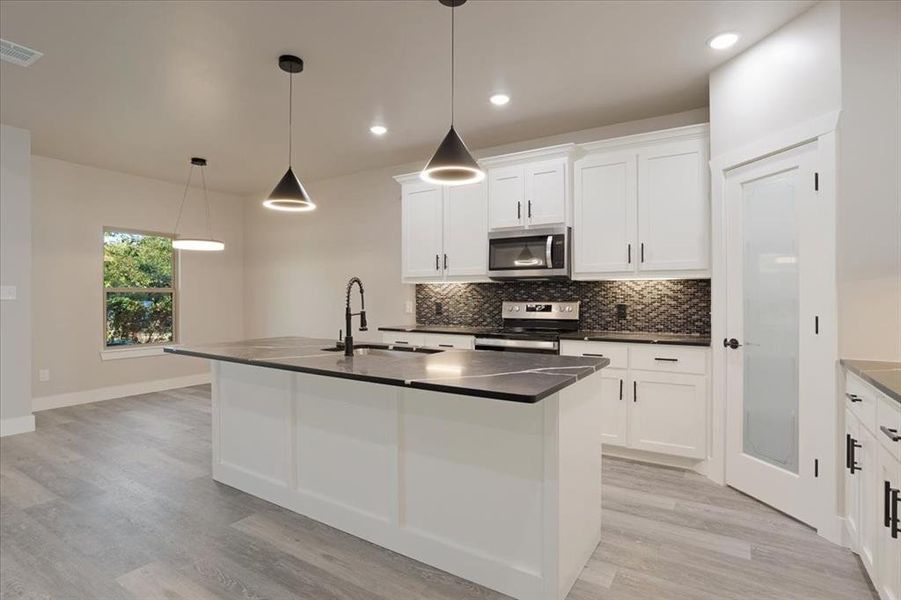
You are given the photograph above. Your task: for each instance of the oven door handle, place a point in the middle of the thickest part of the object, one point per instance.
(550, 258)
(525, 344)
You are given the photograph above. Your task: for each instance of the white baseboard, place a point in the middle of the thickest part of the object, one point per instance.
(655, 458)
(16, 425)
(116, 391)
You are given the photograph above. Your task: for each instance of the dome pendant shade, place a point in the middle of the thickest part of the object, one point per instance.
(289, 195)
(452, 164)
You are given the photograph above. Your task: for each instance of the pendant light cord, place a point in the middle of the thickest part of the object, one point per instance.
(290, 115)
(184, 197)
(453, 64)
(209, 223)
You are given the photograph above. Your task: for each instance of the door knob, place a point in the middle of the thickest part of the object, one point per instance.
(731, 343)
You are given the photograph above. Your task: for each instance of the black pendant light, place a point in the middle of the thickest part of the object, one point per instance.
(183, 242)
(289, 194)
(452, 164)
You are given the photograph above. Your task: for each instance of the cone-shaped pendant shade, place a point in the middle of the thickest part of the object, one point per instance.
(289, 195)
(452, 164)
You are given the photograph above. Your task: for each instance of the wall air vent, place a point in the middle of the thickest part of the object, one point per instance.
(18, 55)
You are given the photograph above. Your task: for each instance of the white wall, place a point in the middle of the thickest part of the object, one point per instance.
(790, 76)
(15, 270)
(71, 205)
(869, 187)
(296, 265)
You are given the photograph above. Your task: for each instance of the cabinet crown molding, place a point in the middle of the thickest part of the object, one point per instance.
(665, 135)
(548, 152)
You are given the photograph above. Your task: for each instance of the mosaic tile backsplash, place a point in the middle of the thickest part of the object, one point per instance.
(659, 306)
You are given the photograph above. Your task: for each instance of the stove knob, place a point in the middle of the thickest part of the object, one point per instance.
(516, 308)
(569, 309)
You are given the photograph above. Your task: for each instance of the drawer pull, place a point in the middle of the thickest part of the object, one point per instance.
(400, 342)
(445, 345)
(667, 359)
(590, 354)
(853, 397)
(891, 433)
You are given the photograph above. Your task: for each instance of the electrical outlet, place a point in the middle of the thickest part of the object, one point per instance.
(620, 311)
(439, 308)
(7, 292)
(43, 375)
(408, 307)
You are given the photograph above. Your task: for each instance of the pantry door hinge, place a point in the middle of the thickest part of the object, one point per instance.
(816, 182)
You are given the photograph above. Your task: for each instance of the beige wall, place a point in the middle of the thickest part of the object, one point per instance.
(71, 205)
(789, 77)
(296, 266)
(15, 270)
(869, 182)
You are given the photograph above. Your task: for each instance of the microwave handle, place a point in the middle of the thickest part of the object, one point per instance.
(550, 258)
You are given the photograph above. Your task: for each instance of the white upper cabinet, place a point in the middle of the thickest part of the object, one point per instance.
(674, 207)
(506, 190)
(529, 189)
(422, 230)
(466, 231)
(445, 231)
(606, 200)
(642, 206)
(546, 192)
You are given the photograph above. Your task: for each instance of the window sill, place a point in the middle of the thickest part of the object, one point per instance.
(121, 353)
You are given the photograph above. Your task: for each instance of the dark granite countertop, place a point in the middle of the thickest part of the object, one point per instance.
(512, 376)
(450, 329)
(639, 337)
(883, 375)
(635, 337)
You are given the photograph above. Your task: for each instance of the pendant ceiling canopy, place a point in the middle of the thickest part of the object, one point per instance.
(181, 242)
(452, 163)
(289, 194)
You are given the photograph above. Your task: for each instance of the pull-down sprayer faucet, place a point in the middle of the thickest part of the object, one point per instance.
(349, 338)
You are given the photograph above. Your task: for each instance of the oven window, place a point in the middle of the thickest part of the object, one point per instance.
(528, 252)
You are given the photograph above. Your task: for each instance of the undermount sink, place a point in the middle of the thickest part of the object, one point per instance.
(386, 350)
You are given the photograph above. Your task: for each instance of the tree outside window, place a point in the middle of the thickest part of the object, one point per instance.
(139, 275)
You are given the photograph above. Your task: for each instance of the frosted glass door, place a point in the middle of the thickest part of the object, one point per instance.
(770, 318)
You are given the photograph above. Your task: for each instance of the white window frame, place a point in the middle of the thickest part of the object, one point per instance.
(155, 349)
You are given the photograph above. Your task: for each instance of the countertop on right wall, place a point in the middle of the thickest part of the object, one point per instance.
(883, 375)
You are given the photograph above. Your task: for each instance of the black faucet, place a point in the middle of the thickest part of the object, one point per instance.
(349, 338)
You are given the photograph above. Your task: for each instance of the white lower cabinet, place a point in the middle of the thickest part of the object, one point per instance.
(872, 485)
(655, 397)
(669, 413)
(430, 340)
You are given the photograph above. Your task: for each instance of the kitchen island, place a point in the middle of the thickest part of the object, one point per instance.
(484, 464)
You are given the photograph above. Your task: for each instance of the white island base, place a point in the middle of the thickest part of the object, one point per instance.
(504, 494)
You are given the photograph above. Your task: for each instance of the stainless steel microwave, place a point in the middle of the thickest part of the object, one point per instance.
(530, 254)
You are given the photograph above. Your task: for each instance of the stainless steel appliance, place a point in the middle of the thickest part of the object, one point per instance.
(530, 254)
(532, 327)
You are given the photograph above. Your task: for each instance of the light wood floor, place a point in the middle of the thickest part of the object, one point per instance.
(114, 500)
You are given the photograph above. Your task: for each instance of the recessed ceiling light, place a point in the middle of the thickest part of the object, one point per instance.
(378, 129)
(499, 99)
(723, 40)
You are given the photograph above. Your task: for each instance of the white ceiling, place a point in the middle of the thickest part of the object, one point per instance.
(139, 87)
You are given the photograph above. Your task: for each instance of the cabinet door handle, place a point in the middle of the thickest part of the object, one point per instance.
(853, 397)
(891, 433)
(437, 268)
(629, 254)
(634, 391)
(642, 252)
(445, 345)
(530, 209)
(896, 500)
(445, 262)
(518, 210)
(590, 354)
(620, 389)
(666, 359)
(854, 466)
(887, 504)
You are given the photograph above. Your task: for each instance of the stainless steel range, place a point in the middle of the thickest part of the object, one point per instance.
(532, 327)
